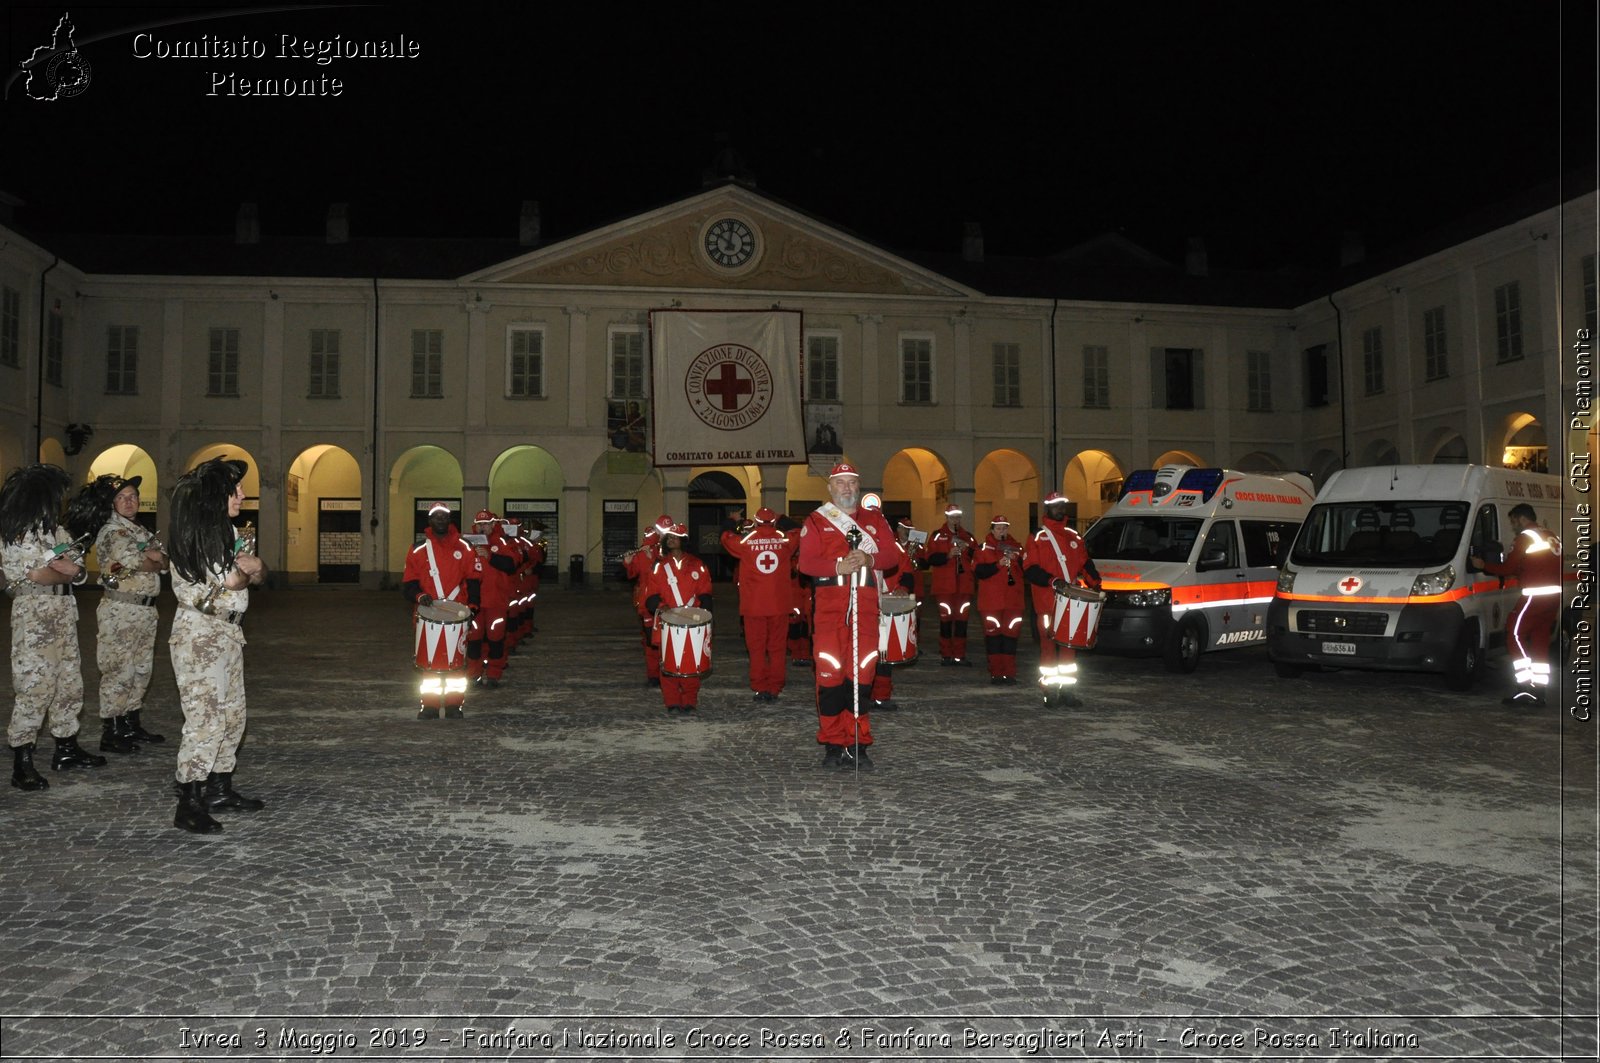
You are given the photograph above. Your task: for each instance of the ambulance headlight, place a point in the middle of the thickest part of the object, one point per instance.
(1286, 581)
(1434, 582)
(1148, 599)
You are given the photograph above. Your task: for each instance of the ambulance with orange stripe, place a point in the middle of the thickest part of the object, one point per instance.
(1188, 559)
(1378, 577)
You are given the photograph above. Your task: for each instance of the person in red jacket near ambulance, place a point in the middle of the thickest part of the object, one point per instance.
(678, 580)
(1535, 563)
(949, 558)
(765, 595)
(998, 567)
(1056, 556)
(841, 545)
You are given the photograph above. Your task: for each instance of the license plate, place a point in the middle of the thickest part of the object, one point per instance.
(1339, 649)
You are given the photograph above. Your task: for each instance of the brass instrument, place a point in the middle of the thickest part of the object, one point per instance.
(75, 551)
(1008, 559)
(244, 544)
(110, 578)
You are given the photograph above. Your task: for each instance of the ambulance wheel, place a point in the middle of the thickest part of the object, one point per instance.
(1465, 661)
(1184, 643)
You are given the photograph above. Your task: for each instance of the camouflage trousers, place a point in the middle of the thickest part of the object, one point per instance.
(208, 660)
(125, 651)
(46, 670)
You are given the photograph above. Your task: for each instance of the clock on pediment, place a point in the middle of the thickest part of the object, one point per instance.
(730, 242)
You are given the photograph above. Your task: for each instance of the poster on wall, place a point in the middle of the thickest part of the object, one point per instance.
(726, 387)
(824, 436)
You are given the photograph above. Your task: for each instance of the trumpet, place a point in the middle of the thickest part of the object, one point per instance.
(113, 575)
(244, 544)
(74, 551)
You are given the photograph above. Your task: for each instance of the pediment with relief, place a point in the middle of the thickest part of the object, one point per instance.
(676, 249)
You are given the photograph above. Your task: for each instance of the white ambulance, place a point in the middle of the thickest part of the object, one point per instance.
(1189, 559)
(1378, 577)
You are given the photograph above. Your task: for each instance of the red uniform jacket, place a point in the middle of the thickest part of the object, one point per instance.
(678, 583)
(1042, 566)
(999, 590)
(763, 554)
(459, 571)
(952, 569)
(1534, 561)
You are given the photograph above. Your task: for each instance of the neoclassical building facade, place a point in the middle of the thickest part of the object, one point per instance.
(362, 378)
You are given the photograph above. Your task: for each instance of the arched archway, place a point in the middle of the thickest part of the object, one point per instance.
(714, 496)
(1004, 482)
(419, 477)
(1180, 457)
(916, 487)
(1323, 464)
(625, 495)
(1445, 446)
(526, 485)
(127, 460)
(1259, 461)
(1380, 452)
(323, 505)
(1092, 483)
(51, 452)
(1526, 446)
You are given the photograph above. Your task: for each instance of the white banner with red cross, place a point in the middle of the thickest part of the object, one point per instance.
(726, 387)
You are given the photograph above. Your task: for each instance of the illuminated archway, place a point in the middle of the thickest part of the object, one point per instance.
(323, 507)
(1092, 483)
(1525, 444)
(250, 512)
(916, 487)
(127, 460)
(1005, 482)
(526, 485)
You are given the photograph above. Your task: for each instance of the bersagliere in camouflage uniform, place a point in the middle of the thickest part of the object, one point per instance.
(46, 669)
(211, 572)
(130, 575)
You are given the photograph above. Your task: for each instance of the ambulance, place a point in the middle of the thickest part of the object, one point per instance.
(1188, 559)
(1378, 577)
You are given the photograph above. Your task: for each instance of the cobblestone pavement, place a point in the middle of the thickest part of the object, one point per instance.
(1211, 865)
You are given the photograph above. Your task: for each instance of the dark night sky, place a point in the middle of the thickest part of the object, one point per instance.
(1265, 128)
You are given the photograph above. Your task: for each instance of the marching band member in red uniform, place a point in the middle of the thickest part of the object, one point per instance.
(1535, 563)
(446, 568)
(998, 567)
(763, 553)
(637, 566)
(679, 579)
(949, 557)
(901, 579)
(498, 559)
(537, 551)
(840, 546)
(799, 613)
(1056, 556)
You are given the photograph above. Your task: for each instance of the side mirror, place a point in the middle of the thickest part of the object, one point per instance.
(1215, 559)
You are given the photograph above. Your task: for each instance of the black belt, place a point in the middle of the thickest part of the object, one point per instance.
(827, 581)
(130, 598)
(233, 616)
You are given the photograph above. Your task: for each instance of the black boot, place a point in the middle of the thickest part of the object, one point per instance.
(112, 737)
(138, 732)
(23, 777)
(71, 755)
(192, 815)
(220, 796)
(832, 756)
(855, 757)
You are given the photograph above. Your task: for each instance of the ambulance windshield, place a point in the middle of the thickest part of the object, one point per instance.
(1142, 538)
(1419, 534)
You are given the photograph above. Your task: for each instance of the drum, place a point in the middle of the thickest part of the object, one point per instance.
(1076, 616)
(441, 636)
(685, 642)
(897, 628)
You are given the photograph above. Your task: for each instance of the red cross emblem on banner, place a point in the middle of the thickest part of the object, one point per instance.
(1350, 584)
(728, 382)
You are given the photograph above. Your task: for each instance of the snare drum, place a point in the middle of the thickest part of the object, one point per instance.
(1076, 616)
(685, 635)
(441, 636)
(897, 628)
